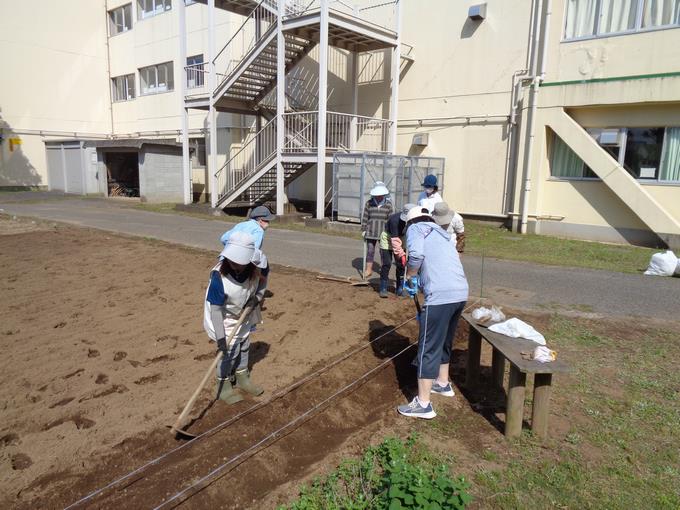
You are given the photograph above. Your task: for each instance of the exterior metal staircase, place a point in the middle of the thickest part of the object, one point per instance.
(246, 76)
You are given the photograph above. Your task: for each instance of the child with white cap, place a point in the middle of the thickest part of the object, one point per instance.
(235, 282)
(395, 230)
(376, 212)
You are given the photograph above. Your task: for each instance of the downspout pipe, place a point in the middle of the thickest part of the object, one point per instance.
(540, 36)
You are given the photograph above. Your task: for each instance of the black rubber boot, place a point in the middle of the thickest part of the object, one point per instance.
(243, 381)
(383, 288)
(226, 393)
(400, 286)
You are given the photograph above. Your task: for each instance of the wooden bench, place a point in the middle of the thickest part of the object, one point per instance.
(507, 348)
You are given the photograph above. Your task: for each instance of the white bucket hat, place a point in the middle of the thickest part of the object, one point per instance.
(379, 189)
(240, 248)
(417, 212)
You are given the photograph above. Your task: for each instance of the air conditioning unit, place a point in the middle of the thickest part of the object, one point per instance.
(421, 139)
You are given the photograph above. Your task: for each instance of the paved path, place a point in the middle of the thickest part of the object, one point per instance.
(509, 283)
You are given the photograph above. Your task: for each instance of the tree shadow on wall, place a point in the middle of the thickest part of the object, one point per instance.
(15, 168)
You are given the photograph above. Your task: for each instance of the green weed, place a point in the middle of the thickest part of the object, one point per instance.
(393, 475)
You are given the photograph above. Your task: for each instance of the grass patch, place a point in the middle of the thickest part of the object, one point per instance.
(621, 449)
(482, 239)
(392, 475)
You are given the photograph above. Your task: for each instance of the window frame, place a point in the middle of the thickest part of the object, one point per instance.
(199, 72)
(156, 89)
(127, 79)
(623, 139)
(112, 23)
(638, 28)
(143, 14)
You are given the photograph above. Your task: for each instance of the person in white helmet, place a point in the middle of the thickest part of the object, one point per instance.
(235, 282)
(376, 212)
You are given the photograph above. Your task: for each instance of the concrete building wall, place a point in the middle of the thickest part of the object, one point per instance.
(463, 68)
(160, 174)
(54, 79)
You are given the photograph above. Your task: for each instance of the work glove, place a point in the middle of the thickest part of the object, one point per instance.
(222, 345)
(411, 285)
(254, 301)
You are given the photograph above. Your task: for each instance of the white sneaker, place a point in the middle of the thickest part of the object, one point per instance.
(416, 410)
(446, 391)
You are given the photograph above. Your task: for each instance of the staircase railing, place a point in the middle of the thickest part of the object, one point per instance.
(376, 12)
(258, 24)
(344, 132)
(247, 161)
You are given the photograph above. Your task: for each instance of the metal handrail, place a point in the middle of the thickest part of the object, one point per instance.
(248, 160)
(343, 131)
(259, 14)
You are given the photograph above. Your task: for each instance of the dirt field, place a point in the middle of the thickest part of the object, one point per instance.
(103, 344)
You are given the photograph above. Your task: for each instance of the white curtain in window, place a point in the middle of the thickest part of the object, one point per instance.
(565, 162)
(580, 18)
(617, 16)
(657, 13)
(670, 158)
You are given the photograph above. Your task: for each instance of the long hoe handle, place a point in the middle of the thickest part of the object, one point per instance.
(182, 418)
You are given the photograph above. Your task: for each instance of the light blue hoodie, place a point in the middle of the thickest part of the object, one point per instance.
(441, 274)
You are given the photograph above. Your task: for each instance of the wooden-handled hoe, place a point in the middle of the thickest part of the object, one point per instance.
(182, 420)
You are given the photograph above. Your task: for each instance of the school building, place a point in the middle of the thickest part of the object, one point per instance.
(559, 117)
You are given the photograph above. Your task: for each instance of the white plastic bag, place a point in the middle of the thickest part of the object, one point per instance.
(663, 264)
(544, 355)
(493, 314)
(516, 328)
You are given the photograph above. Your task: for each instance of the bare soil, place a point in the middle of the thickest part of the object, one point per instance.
(102, 345)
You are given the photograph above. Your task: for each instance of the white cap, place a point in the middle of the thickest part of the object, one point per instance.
(417, 212)
(240, 248)
(404, 211)
(379, 189)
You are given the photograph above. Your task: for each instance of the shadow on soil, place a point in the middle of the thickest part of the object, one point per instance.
(389, 345)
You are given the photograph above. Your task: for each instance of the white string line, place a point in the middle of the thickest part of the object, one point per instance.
(279, 430)
(220, 426)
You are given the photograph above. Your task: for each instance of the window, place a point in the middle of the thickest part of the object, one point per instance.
(120, 19)
(592, 18)
(150, 8)
(195, 71)
(123, 87)
(156, 79)
(643, 152)
(648, 154)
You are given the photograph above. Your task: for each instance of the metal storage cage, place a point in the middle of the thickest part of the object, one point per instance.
(354, 174)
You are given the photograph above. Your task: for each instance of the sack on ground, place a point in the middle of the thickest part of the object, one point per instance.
(516, 328)
(663, 264)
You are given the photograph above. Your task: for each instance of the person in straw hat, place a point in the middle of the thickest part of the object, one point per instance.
(376, 211)
(452, 222)
(235, 282)
(433, 265)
